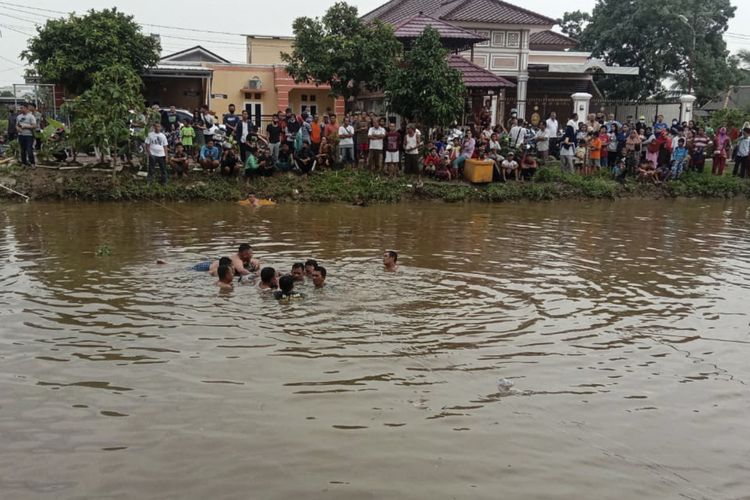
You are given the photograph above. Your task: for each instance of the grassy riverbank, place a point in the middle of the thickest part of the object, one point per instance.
(355, 187)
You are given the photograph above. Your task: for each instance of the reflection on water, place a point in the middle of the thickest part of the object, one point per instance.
(623, 328)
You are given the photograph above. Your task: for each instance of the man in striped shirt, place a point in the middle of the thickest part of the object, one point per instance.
(698, 150)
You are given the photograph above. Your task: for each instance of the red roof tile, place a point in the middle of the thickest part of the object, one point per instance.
(476, 77)
(550, 38)
(487, 11)
(412, 27)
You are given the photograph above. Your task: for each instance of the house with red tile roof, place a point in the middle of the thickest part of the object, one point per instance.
(517, 44)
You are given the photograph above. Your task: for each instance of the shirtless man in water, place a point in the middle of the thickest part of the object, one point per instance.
(390, 259)
(242, 263)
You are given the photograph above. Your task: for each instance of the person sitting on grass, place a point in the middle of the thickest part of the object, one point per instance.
(455, 152)
(431, 162)
(266, 163)
(305, 160)
(180, 161)
(252, 166)
(467, 151)
(324, 158)
(209, 156)
(509, 166)
(286, 291)
(229, 161)
(647, 172)
(285, 162)
(679, 159)
(226, 275)
(619, 171)
(528, 167)
(443, 170)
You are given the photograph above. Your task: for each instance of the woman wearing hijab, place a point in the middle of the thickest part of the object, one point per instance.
(722, 147)
(664, 151)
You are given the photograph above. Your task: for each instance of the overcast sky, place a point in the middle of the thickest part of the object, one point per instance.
(18, 18)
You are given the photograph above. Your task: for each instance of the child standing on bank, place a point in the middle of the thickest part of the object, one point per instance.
(187, 134)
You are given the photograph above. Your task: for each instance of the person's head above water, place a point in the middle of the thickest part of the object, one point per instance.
(245, 253)
(319, 276)
(268, 277)
(390, 258)
(298, 271)
(310, 266)
(286, 284)
(225, 274)
(225, 261)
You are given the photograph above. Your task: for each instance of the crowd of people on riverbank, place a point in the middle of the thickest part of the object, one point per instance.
(248, 270)
(233, 145)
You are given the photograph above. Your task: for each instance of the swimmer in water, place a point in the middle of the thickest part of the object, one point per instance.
(253, 201)
(298, 272)
(269, 279)
(226, 275)
(243, 261)
(310, 266)
(390, 259)
(319, 277)
(213, 268)
(286, 290)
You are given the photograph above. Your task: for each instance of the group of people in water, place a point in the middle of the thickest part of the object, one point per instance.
(247, 269)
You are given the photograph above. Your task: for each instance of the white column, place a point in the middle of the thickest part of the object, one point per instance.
(523, 81)
(493, 111)
(687, 101)
(581, 101)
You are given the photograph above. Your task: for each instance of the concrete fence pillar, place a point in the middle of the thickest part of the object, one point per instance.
(686, 109)
(581, 101)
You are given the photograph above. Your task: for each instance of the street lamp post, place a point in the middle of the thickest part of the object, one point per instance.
(691, 69)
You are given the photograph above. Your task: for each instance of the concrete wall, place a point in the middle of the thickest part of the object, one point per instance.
(232, 79)
(319, 98)
(267, 50)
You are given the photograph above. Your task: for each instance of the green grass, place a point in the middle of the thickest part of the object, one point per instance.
(360, 187)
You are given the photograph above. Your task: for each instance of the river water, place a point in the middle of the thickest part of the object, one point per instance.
(623, 327)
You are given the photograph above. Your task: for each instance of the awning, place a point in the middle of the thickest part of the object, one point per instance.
(179, 71)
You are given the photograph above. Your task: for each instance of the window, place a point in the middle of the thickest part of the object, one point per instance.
(513, 40)
(304, 97)
(313, 97)
(255, 110)
(498, 39)
(486, 34)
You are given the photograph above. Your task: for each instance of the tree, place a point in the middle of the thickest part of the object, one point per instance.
(6, 93)
(71, 50)
(101, 114)
(342, 51)
(424, 87)
(683, 38)
(573, 23)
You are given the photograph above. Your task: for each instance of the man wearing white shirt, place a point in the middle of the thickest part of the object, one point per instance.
(550, 133)
(156, 148)
(517, 134)
(376, 134)
(346, 142)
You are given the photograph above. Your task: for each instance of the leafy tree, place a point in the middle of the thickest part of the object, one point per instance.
(101, 114)
(6, 93)
(573, 23)
(342, 51)
(71, 50)
(658, 37)
(424, 87)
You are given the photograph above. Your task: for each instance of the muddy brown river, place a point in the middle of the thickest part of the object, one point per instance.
(563, 350)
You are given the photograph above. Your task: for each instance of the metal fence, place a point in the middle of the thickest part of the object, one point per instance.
(635, 109)
(671, 109)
